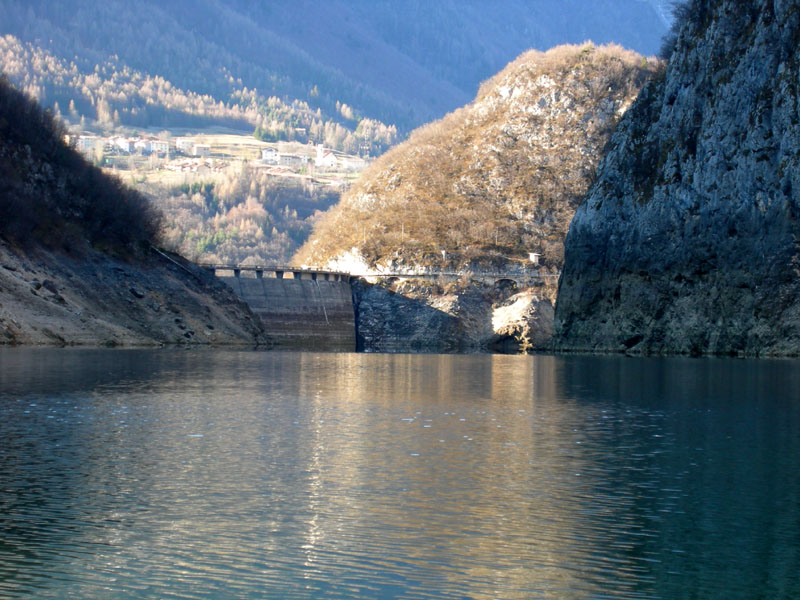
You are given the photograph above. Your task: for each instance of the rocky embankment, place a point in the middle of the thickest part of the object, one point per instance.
(49, 298)
(689, 240)
(423, 316)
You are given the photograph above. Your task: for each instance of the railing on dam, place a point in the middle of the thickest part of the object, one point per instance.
(517, 276)
(279, 272)
(520, 277)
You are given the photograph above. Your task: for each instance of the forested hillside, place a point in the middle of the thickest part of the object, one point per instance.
(244, 217)
(285, 68)
(112, 94)
(50, 194)
(494, 180)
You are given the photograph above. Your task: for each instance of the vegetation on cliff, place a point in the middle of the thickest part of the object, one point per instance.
(494, 180)
(242, 217)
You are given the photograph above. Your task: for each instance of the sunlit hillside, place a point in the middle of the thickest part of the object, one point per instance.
(494, 180)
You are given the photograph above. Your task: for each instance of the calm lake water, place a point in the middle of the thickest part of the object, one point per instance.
(214, 474)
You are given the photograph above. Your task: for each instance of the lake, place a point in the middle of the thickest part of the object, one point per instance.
(224, 474)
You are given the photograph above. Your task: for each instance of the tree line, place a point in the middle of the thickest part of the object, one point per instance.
(113, 94)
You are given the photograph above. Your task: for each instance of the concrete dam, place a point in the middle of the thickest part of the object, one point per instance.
(316, 310)
(299, 309)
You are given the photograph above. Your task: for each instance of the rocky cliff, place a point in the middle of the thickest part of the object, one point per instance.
(51, 298)
(688, 240)
(424, 316)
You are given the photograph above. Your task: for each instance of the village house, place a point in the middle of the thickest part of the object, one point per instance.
(124, 144)
(142, 146)
(269, 156)
(201, 150)
(325, 158)
(184, 145)
(86, 144)
(295, 161)
(159, 147)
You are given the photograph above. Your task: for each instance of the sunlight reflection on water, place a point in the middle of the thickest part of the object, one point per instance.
(154, 474)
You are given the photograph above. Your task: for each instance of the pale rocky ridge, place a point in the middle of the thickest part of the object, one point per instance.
(689, 240)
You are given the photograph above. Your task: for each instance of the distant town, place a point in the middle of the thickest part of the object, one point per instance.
(214, 153)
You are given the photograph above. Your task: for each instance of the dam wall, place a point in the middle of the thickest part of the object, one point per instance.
(299, 310)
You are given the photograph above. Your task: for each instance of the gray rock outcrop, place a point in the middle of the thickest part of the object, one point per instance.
(419, 316)
(688, 240)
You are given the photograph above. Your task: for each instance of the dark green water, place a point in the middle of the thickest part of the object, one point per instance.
(168, 474)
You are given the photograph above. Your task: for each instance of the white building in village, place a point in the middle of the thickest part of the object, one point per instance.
(185, 145)
(125, 144)
(86, 144)
(269, 155)
(159, 147)
(142, 146)
(294, 161)
(151, 146)
(325, 158)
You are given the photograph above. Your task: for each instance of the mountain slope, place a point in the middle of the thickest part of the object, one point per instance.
(76, 261)
(478, 191)
(689, 241)
(403, 63)
(494, 180)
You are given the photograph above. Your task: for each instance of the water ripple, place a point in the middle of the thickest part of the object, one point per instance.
(249, 475)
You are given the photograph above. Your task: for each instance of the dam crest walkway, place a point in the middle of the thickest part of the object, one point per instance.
(520, 277)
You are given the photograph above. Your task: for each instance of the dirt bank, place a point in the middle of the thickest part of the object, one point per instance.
(91, 299)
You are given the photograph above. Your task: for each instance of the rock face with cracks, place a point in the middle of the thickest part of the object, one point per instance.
(689, 240)
(418, 316)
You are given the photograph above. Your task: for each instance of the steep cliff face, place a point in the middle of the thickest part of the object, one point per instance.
(423, 316)
(49, 298)
(688, 240)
